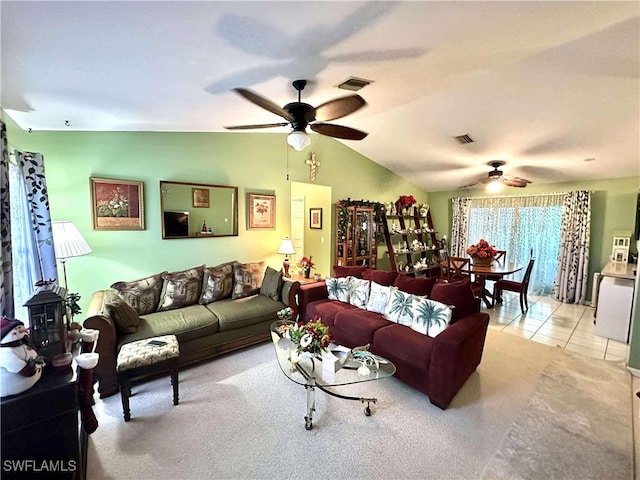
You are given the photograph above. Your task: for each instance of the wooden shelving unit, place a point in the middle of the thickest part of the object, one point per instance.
(412, 244)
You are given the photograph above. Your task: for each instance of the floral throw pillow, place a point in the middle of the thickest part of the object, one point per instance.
(358, 292)
(217, 283)
(338, 288)
(430, 317)
(400, 307)
(181, 289)
(247, 278)
(143, 294)
(378, 298)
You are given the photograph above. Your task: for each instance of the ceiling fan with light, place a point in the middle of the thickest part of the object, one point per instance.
(300, 115)
(496, 179)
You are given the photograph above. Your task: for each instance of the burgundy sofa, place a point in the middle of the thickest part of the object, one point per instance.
(436, 366)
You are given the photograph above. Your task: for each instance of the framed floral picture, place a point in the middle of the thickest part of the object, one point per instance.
(315, 218)
(117, 204)
(262, 211)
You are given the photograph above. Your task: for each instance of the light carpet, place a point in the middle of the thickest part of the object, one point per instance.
(240, 418)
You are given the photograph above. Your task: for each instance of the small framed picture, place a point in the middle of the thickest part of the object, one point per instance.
(200, 197)
(117, 204)
(262, 212)
(315, 218)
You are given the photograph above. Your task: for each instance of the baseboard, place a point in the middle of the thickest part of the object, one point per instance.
(634, 371)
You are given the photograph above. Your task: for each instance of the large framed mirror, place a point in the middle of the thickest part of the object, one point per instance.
(198, 210)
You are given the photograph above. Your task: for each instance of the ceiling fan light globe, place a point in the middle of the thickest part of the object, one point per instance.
(298, 140)
(495, 186)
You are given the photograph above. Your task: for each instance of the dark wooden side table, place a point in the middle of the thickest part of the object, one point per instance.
(40, 430)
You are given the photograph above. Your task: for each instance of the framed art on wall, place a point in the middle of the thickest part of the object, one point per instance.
(200, 197)
(262, 211)
(117, 204)
(315, 218)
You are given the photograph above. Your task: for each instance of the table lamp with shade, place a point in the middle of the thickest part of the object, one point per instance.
(68, 242)
(286, 249)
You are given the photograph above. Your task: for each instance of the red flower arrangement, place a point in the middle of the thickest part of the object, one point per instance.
(481, 250)
(312, 337)
(305, 263)
(406, 201)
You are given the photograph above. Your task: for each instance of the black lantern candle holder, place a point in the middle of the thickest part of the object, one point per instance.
(46, 320)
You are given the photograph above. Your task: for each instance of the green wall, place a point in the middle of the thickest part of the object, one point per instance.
(613, 204)
(255, 162)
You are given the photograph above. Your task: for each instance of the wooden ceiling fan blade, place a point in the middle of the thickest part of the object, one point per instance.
(339, 107)
(515, 182)
(262, 125)
(263, 103)
(338, 131)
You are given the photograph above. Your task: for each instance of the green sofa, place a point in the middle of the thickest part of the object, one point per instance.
(204, 328)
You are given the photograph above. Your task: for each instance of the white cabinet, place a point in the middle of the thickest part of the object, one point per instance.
(613, 317)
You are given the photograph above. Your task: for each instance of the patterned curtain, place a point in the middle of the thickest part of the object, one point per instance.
(573, 257)
(33, 252)
(6, 280)
(459, 226)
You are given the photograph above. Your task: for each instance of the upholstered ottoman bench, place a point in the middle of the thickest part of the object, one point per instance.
(146, 356)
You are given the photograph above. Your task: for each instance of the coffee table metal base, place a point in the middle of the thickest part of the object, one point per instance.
(311, 396)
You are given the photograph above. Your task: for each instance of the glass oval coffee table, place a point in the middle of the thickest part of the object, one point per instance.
(324, 373)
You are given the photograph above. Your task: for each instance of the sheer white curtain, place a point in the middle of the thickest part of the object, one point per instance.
(33, 253)
(523, 225)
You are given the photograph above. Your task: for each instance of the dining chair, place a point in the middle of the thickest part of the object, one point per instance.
(500, 255)
(456, 271)
(513, 286)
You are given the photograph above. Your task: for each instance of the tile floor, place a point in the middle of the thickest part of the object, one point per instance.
(553, 323)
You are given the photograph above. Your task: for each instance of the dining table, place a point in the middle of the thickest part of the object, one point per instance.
(497, 269)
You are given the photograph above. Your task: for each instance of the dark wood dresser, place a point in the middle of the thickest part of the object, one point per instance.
(40, 430)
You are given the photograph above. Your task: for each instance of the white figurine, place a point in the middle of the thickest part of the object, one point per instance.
(20, 365)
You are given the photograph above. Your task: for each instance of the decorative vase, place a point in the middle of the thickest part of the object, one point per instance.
(307, 272)
(483, 262)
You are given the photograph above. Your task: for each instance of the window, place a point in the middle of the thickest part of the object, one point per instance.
(521, 225)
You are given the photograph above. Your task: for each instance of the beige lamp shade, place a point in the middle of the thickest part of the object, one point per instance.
(68, 242)
(286, 247)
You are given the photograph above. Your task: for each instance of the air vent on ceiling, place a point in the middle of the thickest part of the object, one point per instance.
(353, 83)
(464, 139)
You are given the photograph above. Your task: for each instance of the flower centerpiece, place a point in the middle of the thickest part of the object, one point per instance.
(482, 253)
(406, 202)
(305, 264)
(312, 337)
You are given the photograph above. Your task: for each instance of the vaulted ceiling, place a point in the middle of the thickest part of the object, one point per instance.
(551, 88)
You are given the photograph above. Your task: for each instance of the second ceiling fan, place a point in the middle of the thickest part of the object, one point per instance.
(300, 115)
(497, 178)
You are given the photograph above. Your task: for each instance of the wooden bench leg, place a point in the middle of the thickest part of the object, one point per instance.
(174, 381)
(125, 393)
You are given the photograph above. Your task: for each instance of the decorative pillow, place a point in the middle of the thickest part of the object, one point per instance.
(217, 283)
(381, 277)
(338, 288)
(400, 307)
(430, 317)
(417, 286)
(181, 289)
(271, 284)
(352, 271)
(458, 294)
(358, 292)
(247, 278)
(143, 294)
(378, 298)
(124, 316)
